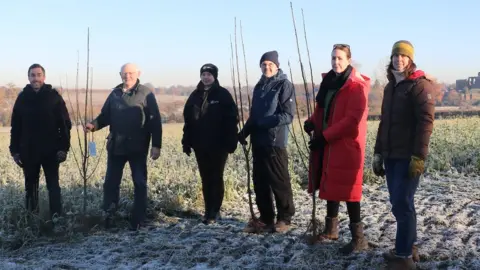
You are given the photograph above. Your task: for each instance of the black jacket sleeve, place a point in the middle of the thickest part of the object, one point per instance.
(64, 124)
(154, 120)
(230, 122)
(186, 141)
(103, 119)
(16, 127)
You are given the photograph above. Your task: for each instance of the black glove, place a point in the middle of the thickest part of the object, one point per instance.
(187, 150)
(61, 156)
(308, 126)
(317, 143)
(241, 138)
(18, 161)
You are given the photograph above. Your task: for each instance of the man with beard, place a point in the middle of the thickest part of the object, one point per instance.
(40, 137)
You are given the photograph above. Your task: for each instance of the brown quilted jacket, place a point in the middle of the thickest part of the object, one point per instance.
(406, 123)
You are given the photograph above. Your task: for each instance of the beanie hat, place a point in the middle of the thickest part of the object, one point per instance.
(210, 68)
(270, 56)
(403, 47)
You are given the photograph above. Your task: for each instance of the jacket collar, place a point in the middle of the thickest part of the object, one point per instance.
(133, 89)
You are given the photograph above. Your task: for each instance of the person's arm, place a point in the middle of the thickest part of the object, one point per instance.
(424, 109)
(16, 127)
(284, 115)
(348, 126)
(186, 141)
(154, 121)
(103, 119)
(64, 124)
(230, 121)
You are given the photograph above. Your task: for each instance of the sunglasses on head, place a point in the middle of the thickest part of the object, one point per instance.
(336, 46)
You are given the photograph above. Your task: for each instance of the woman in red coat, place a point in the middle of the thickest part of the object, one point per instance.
(339, 125)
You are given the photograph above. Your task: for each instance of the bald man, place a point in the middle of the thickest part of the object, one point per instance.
(132, 113)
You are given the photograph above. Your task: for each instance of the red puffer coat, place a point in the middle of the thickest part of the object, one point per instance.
(341, 178)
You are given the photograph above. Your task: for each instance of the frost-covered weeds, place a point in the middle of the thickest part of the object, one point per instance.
(447, 206)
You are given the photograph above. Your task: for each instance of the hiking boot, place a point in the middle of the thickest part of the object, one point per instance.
(282, 226)
(390, 255)
(399, 263)
(207, 220)
(331, 229)
(257, 226)
(358, 242)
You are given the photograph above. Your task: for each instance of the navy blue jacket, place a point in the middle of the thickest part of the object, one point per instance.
(272, 111)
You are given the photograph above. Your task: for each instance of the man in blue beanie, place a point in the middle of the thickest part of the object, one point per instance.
(271, 112)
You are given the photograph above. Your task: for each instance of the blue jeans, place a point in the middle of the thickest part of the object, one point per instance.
(402, 191)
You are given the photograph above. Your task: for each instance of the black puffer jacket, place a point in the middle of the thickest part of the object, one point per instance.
(134, 119)
(40, 123)
(213, 127)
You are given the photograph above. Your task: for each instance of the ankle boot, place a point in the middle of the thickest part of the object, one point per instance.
(358, 242)
(331, 229)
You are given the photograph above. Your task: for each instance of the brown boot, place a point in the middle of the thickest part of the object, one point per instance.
(257, 226)
(390, 255)
(331, 229)
(282, 226)
(358, 242)
(399, 263)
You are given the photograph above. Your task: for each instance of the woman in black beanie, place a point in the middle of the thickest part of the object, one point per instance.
(210, 129)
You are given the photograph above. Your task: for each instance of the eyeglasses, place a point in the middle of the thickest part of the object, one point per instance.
(340, 45)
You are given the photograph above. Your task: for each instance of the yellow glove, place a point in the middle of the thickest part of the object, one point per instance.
(416, 167)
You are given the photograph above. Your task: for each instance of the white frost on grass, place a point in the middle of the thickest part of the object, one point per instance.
(448, 215)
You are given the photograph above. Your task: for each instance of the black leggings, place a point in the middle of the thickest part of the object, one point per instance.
(353, 209)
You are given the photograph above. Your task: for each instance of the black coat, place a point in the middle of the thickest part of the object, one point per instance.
(40, 123)
(134, 119)
(213, 128)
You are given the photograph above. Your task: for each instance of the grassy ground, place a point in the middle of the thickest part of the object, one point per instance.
(174, 184)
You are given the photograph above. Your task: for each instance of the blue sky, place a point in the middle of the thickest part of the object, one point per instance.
(170, 40)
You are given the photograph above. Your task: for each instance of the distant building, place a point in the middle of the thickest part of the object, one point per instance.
(470, 83)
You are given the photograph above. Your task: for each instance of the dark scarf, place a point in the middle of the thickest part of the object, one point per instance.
(204, 93)
(332, 82)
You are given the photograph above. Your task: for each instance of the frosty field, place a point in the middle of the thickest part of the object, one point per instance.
(448, 214)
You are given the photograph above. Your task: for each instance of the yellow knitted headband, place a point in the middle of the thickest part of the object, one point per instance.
(403, 47)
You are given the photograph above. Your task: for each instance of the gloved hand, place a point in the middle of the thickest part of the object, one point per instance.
(416, 167)
(308, 126)
(18, 161)
(317, 143)
(61, 156)
(187, 150)
(241, 138)
(377, 165)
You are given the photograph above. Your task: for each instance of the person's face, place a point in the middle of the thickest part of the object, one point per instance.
(36, 76)
(130, 75)
(400, 62)
(340, 61)
(269, 69)
(207, 78)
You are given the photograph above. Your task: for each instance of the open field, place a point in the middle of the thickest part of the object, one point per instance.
(448, 208)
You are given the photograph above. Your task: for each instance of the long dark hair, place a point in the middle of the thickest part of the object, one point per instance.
(409, 70)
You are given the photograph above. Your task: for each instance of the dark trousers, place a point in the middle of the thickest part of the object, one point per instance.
(353, 209)
(402, 189)
(270, 175)
(111, 187)
(31, 170)
(211, 166)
